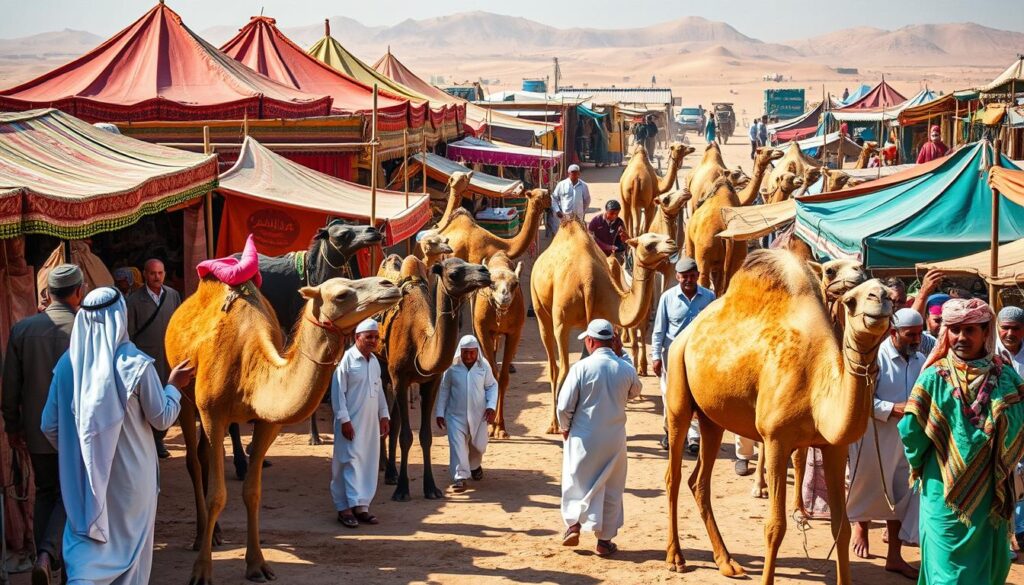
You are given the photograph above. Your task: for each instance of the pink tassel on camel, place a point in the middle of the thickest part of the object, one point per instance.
(234, 271)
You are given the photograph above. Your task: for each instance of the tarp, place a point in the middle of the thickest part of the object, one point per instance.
(1009, 81)
(63, 177)
(753, 221)
(475, 150)
(261, 46)
(440, 169)
(856, 95)
(1009, 181)
(797, 128)
(501, 126)
(811, 146)
(158, 69)
(1011, 265)
(283, 203)
(882, 95)
(945, 105)
(885, 114)
(929, 213)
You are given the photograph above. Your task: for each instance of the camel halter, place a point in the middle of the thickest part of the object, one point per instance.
(453, 313)
(344, 259)
(328, 328)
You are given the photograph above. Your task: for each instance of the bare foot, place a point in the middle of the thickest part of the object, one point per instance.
(859, 541)
(902, 567)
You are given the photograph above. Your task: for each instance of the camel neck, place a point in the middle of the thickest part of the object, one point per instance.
(435, 355)
(519, 243)
(850, 390)
(636, 302)
(749, 194)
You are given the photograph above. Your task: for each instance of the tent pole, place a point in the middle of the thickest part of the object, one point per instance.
(373, 175)
(424, 166)
(993, 290)
(405, 157)
(208, 216)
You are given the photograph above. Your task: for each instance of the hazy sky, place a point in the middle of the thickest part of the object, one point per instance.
(769, 20)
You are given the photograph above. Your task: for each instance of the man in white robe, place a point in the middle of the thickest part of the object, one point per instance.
(1010, 345)
(105, 400)
(466, 403)
(360, 420)
(592, 419)
(875, 485)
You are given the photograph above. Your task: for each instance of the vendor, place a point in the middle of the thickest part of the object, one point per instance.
(608, 229)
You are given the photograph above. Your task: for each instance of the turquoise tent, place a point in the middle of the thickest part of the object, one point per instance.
(930, 213)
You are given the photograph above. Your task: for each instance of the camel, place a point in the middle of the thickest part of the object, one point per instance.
(794, 161)
(640, 184)
(417, 348)
(244, 373)
(786, 383)
(473, 243)
(458, 182)
(433, 247)
(571, 285)
(834, 180)
(500, 311)
(788, 184)
(718, 259)
(710, 168)
(867, 150)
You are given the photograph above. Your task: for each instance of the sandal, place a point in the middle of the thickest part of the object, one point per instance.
(367, 518)
(572, 536)
(606, 548)
(459, 487)
(477, 473)
(348, 520)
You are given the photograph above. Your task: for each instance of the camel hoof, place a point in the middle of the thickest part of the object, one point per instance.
(241, 468)
(218, 537)
(261, 573)
(201, 576)
(553, 429)
(677, 567)
(401, 496)
(759, 492)
(388, 480)
(502, 434)
(316, 441)
(433, 494)
(732, 569)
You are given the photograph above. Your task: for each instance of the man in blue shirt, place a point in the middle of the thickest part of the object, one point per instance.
(677, 308)
(755, 132)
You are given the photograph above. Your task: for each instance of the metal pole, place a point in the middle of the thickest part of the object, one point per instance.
(208, 204)
(993, 266)
(373, 176)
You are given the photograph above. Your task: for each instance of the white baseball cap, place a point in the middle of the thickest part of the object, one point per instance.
(574, 167)
(599, 329)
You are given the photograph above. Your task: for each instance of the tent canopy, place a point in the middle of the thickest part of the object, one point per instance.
(754, 221)
(881, 96)
(1011, 265)
(441, 169)
(261, 46)
(158, 69)
(856, 95)
(811, 146)
(66, 178)
(884, 114)
(929, 213)
(1009, 81)
(287, 202)
(475, 150)
(797, 128)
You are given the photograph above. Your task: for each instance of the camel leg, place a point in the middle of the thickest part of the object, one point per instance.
(216, 497)
(405, 442)
(314, 431)
(547, 337)
(834, 461)
(256, 567)
(204, 467)
(391, 469)
(799, 467)
(627, 216)
(562, 342)
(238, 452)
(428, 392)
(776, 458)
(187, 421)
(640, 357)
(679, 407)
(648, 217)
(700, 485)
(504, 379)
(760, 485)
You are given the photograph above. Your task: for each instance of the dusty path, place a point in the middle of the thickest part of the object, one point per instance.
(507, 528)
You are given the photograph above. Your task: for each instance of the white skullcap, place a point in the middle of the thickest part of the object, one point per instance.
(574, 167)
(907, 318)
(468, 342)
(367, 325)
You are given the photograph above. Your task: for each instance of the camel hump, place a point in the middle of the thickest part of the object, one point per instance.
(775, 270)
(413, 267)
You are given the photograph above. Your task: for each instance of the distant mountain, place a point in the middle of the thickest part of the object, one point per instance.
(63, 44)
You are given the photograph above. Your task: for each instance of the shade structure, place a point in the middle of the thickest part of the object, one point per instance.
(884, 114)
(929, 213)
(158, 69)
(475, 150)
(753, 221)
(833, 141)
(481, 122)
(1010, 81)
(798, 128)
(441, 169)
(856, 95)
(262, 47)
(63, 177)
(283, 203)
(1010, 271)
(881, 96)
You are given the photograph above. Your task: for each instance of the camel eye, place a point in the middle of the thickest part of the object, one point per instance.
(830, 271)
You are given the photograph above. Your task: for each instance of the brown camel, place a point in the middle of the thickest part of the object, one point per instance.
(244, 374)
(786, 383)
(794, 161)
(867, 150)
(417, 349)
(433, 247)
(788, 184)
(640, 184)
(834, 180)
(717, 258)
(571, 285)
(457, 185)
(500, 312)
(710, 168)
(473, 243)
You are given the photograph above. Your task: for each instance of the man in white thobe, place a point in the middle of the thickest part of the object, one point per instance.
(1010, 345)
(875, 484)
(571, 197)
(592, 419)
(105, 400)
(466, 403)
(360, 420)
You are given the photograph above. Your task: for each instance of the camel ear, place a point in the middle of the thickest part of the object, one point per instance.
(632, 242)
(436, 269)
(310, 292)
(815, 267)
(469, 175)
(519, 269)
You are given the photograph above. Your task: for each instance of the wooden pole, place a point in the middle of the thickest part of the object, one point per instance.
(405, 157)
(373, 176)
(993, 266)
(424, 151)
(208, 204)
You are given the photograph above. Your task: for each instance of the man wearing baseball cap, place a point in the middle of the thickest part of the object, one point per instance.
(592, 418)
(571, 197)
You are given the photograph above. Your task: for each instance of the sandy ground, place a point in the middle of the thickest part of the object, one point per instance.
(508, 527)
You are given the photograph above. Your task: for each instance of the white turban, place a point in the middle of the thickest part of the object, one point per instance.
(468, 342)
(367, 325)
(907, 318)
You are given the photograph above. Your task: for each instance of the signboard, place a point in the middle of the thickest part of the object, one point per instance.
(783, 103)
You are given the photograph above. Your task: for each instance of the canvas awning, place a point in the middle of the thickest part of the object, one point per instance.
(283, 203)
(441, 169)
(881, 96)
(885, 114)
(475, 150)
(1010, 81)
(66, 178)
(158, 69)
(947, 105)
(929, 213)
(1011, 265)
(811, 146)
(797, 128)
(754, 221)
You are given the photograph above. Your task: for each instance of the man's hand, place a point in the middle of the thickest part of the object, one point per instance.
(16, 439)
(617, 344)
(182, 375)
(440, 423)
(489, 416)
(348, 431)
(931, 281)
(565, 435)
(898, 410)
(385, 427)
(657, 367)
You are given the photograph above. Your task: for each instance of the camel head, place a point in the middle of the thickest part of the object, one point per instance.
(868, 148)
(789, 182)
(672, 202)
(738, 178)
(458, 182)
(834, 180)
(390, 268)
(345, 303)
(713, 146)
(504, 279)
(868, 311)
(811, 175)
(765, 156)
(678, 151)
(434, 244)
(839, 277)
(540, 196)
(652, 250)
(348, 239)
(459, 278)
